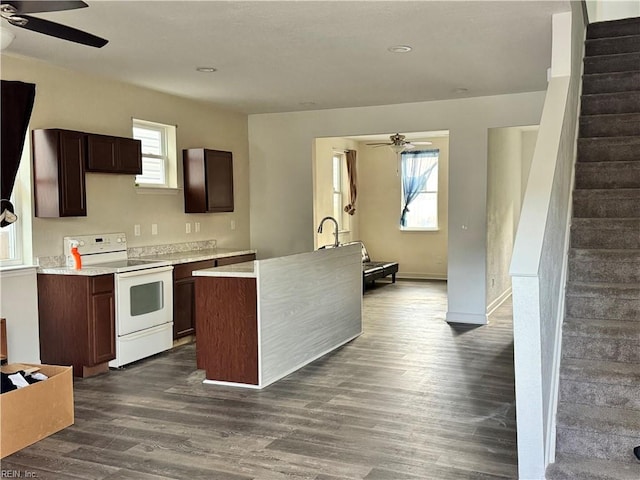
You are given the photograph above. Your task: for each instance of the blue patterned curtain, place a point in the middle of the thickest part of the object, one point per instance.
(416, 169)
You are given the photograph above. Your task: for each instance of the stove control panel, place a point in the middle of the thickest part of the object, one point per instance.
(96, 244)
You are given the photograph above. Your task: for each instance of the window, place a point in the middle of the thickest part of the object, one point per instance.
(10, 252)
(15, 239)
(339, 179)
(158, 154)
(419, 202)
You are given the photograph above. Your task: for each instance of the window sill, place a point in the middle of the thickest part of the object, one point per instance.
(16, 268)
(144, 190)
(434, 229)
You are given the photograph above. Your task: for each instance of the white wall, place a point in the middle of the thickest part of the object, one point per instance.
(19, 306)
(603, 10)
(504, 183)
(510, 154)
(281, 179)
(76, 101)
(419, 254)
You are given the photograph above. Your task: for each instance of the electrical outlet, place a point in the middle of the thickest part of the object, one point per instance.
(136, 230)
(188, 227)
(197, 224)
(233, 224)
(154, 229)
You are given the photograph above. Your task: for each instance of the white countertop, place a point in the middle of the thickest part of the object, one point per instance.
(173, 259)
(197, 255)
(246, 270)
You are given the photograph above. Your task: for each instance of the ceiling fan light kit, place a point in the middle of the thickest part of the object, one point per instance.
(398, 143)
(14, 12)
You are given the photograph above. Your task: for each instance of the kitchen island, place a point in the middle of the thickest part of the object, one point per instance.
(260, 321)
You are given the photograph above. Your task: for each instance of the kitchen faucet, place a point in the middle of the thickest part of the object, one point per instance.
(335, 222)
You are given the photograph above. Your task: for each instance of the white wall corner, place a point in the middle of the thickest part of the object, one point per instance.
(528, 367)
(561, 45)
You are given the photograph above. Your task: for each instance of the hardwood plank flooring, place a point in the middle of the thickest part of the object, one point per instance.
(412, 398)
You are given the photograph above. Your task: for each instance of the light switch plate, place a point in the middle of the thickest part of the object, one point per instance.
(136, 230)
(154, 229)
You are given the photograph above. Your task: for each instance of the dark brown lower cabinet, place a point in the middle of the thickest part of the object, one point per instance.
(77, 321)
(184, 316)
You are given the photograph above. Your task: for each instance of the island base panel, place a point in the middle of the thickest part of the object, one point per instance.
(227, 326)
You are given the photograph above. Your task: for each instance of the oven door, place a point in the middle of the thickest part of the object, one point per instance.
(144, 299)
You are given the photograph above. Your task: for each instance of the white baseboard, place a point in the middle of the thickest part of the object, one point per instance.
(471, 318)
(493, 306)
(420, 276)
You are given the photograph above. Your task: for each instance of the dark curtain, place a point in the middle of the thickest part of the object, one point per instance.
(353, 181)
(16, 104)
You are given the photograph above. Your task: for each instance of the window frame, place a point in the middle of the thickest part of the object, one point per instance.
(338, 159)
(435, 192)
(168, 156)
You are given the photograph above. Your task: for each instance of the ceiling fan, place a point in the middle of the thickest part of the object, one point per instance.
(398, 143)
(14, 13)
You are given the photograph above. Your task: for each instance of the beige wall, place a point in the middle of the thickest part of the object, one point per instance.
(508, 163)
(71, 100)
(323, 190)
(420, 254)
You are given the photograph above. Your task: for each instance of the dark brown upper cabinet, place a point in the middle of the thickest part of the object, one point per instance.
(208, 180)
(113, 154)
(58, 173)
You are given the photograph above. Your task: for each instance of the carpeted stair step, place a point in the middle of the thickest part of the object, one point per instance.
(604, 265)
(607, 175)
(603, 301)
(603, 340)
(601, 383)
(570, 467)
(607, 103)
(616, 233)
(598, 432)
(609, 149)
(611, 82)
(612, 45)
(614, 28)
(610, 125)
(606, 203)
(622, 62)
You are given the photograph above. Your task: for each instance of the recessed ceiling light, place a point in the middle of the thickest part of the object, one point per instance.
(206, 69)
(400, 49)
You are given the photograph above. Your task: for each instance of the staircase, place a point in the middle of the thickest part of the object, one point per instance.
(598, 422)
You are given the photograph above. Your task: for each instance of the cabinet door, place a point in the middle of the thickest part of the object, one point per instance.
(129, 155)
(183, 307)
(102, 153)
(71, 184)
(219, 174)
(102, 320)
(184, 322)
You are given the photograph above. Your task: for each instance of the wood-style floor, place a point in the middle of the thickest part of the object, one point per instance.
(412, 398)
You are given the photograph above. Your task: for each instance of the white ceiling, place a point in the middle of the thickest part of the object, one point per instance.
(281, 56)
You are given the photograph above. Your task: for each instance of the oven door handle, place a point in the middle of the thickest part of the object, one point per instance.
(146, 271)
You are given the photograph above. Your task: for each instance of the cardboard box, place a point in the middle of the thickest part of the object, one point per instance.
(32, 413)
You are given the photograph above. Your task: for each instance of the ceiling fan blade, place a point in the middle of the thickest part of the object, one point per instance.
(422, 143)
(378, 144)
(44, 6)
(57, 30)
